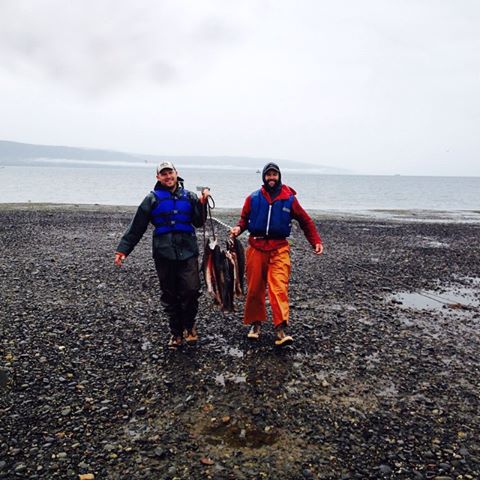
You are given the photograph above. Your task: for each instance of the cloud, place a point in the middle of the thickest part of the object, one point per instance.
(371, 86)
(96, 46)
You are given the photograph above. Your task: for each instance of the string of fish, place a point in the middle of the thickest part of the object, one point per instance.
(223, 270)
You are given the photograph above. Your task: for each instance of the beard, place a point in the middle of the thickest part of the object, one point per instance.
(272, 185)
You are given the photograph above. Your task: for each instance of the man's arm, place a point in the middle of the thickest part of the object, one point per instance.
(307, 225)
(199, 209)
(242, 224)
(137, 227)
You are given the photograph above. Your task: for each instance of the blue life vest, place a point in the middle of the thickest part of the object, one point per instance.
(270, 220)
(172, 214)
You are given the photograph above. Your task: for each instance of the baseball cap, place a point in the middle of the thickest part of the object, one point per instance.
(164, 165)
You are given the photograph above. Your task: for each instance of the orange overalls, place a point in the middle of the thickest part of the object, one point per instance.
(268, 264)
(270, 268)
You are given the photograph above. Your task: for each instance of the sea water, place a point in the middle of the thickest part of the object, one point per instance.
(229, 187)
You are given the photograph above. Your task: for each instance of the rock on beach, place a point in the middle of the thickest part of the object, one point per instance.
(373, 387)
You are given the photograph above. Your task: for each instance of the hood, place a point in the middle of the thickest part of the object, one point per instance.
(271, 166)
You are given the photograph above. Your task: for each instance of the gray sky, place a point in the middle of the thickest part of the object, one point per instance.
(377, 86)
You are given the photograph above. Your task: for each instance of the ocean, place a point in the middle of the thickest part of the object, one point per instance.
(229, 187)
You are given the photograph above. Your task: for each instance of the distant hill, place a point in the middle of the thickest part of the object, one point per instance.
(15, 153)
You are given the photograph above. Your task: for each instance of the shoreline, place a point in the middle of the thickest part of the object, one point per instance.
(405, 215)
(374, 387)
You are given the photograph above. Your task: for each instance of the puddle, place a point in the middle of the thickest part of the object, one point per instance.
(389, 391)
(433, 300)
(429, 242)
(222, 346)
(234, 435)
(234, 352)
(222, 379)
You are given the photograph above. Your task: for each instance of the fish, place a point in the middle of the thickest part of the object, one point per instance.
(211, 250)
(207, 274)
(226, 283)
(216, 268)
(238, 252)
(223, 272)
(230, 280)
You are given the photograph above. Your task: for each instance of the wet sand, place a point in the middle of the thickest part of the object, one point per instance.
(373, 387)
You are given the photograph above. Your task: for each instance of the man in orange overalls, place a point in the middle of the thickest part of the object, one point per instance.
(267, 214)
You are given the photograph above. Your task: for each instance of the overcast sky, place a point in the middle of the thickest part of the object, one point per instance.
(373, 86)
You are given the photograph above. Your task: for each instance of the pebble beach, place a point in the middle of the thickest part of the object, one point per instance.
(375, 385)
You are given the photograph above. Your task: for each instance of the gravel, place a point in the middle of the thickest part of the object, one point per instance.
(373, 388)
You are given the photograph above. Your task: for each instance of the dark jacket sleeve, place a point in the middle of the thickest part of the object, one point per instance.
(306, 223)
(138, 226)
(199, 210)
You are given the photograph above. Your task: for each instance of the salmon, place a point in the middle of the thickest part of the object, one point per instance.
(223, 271)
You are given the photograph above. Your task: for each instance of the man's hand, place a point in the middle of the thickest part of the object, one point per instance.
(205, 195)
(119, 258)
(235, 231)
(318, 249)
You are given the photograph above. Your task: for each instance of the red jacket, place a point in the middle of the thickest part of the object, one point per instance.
(298, 213)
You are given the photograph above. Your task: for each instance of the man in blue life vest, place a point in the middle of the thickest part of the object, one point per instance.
(174, 213)
(267, 214)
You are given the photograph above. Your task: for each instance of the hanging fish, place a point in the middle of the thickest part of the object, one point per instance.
(235, 247)
(210, 273)
(223, 271)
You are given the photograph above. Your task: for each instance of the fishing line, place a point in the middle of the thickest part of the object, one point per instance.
(207, 212)
(210, 207)
(222, 223)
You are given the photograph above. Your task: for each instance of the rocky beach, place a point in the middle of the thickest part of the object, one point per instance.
(375, 386)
